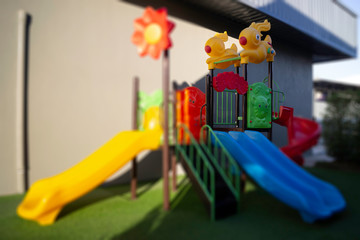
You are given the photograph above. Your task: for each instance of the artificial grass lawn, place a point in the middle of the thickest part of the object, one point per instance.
(109, 213)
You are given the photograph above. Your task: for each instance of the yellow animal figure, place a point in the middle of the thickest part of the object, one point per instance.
(255, 50)
(215, 48)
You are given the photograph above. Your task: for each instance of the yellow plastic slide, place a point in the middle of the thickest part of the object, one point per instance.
(48, 196)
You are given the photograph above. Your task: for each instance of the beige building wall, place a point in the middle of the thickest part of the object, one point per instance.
(81, 65)
(7, 103)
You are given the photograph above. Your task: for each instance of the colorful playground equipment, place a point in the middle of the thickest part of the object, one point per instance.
(302, 134)
(232, 134)
(216, 135)
(48, 196)
(282, 178)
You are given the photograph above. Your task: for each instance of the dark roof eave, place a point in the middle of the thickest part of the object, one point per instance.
(233, 16)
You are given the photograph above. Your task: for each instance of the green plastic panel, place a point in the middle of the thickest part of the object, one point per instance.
(258, 106)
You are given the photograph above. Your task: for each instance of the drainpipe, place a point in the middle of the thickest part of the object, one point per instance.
(19, 112)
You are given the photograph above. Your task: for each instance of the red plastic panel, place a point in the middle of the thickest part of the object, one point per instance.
(231, 81)
(189, 103)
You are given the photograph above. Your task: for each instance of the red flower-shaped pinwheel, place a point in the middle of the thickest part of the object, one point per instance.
(152, 32)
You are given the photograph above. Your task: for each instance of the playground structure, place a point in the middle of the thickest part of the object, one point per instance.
(230, 145)
(48, 196)
(216, 135)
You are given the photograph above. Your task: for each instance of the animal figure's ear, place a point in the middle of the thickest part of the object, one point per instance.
(233, 47)
(222, 36)
(263, 27)
(268, 39)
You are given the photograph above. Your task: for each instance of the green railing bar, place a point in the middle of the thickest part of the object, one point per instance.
(232, 180)
(205, 176)
(277, 102)
(186, 157)
(231, 114)
(228, 119)
(227, 104)
(228, 60)
(210, 194)
(198, 163)
(276, 95)
(217, 105)
(222, 105)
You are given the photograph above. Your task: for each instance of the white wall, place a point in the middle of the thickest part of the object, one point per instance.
(7, 100)
(81, 66)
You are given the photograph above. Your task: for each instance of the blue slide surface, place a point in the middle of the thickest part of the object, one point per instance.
(277, 174)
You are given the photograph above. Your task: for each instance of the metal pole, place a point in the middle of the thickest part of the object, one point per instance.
(244, 100)
(208, 102)
(20, 128)
(244, 122)
(270, 85)
(135, 127)
(237, 98)
(173, 156)
(165, 156)
(210, 106)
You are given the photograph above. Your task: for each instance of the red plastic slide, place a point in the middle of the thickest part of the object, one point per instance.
(302, 134)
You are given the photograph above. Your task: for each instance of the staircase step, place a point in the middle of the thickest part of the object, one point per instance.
(225, 202)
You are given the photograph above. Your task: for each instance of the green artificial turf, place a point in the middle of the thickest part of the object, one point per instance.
(109, 213)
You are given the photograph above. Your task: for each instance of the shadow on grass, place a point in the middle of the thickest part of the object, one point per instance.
(188, 218)
(260, 217)
(148, 168)
(184, 205)
(103, 193)
(119, 186)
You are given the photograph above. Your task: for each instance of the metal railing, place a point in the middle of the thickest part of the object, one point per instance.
(224, 107)
(193, 155)
(278, 99)
(221, 159)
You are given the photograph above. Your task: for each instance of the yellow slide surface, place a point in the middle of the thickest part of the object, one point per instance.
(48, 196)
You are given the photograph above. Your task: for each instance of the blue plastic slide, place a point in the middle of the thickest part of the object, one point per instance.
(281, 177)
